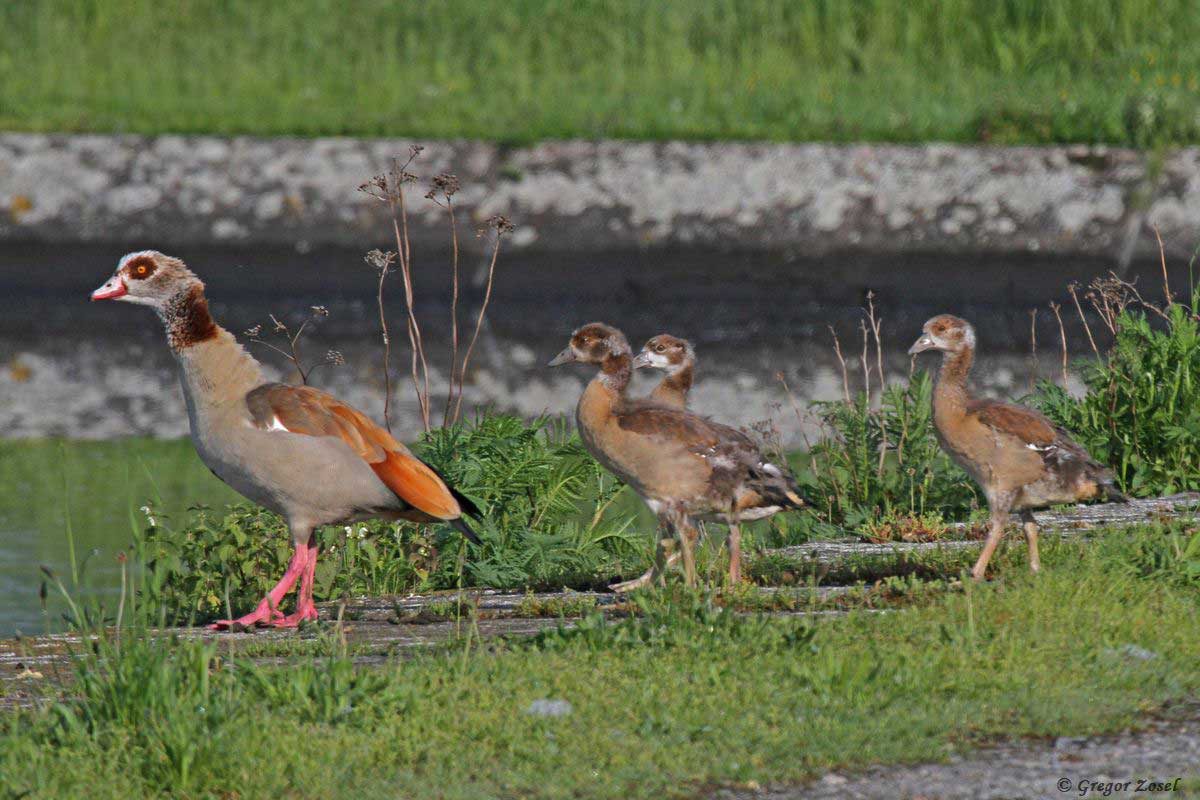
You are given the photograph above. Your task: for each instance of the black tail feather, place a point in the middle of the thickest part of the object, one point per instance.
(460, 525)
(465, 503)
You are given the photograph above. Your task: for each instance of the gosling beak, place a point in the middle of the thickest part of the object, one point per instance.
(642, 359)
(111, 289)
(565, 357)
(922, 344)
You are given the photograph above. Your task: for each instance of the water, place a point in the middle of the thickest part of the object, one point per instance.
(101, 371)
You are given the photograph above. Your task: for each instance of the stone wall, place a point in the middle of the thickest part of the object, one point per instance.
(611, 195)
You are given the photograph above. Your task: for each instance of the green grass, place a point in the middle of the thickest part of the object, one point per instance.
(961, 70)
(685, 697)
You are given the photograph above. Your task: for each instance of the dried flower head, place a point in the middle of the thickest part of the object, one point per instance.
(279, 326)
(377, 187)
(253, 332)
(320, 311)
(500, 224)
(446, 183)
(380, 260)
(334, 358)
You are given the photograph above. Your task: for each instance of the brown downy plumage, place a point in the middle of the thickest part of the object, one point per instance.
(1020, 459)
(293, 449)
(675, 357)
(683, 465)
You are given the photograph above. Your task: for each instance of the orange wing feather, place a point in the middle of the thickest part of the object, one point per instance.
(309, 411)
(418, 485)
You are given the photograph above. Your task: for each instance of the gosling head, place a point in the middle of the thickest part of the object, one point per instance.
(593, 344)
(947, 333)
(665, 352)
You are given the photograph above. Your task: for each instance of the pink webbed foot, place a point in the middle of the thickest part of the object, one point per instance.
(264, 614)
(306, 613)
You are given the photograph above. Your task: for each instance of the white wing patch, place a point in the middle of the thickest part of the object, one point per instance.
(720, 460)
(276, 425)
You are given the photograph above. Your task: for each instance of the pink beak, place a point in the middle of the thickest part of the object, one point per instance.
(114, 287)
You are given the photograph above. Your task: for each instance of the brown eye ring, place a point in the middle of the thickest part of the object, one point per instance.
(658, 348)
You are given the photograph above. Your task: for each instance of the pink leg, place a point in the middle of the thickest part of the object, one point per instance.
(306, 610)
(268, 609)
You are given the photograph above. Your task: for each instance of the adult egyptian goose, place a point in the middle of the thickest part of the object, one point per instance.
(1020, 459)
(674, 356)
(683, 466)
(293, 449)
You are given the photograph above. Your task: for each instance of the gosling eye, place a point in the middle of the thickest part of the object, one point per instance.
(658, 348)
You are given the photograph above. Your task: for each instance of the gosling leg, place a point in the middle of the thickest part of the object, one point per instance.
(1031, 537)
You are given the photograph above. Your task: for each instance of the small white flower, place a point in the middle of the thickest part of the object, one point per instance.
(349, 531)
(362, 533)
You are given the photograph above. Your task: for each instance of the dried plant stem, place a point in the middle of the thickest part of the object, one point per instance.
(863, 360)
(1062, 336)
(387, 351)
(875, 325)
(837, 351)
(289, 356)
(487, 296)
(292, 353)
(455, 375)
(389, 188)
(425, 412)
(414, 329)
(1087, 328)
(1033, 357)
(1162, 258)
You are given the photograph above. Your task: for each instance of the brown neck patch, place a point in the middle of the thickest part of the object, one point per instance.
(617, 369)
(187, 319)
(956, 366)
(950, 393)
(679, 379)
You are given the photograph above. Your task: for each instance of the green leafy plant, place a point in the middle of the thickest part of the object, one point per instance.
(906, 526)
(1141, 411)
(550, 514)
(877, 462)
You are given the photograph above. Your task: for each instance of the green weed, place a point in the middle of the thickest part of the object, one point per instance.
(878, 462)
(1141, 411)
